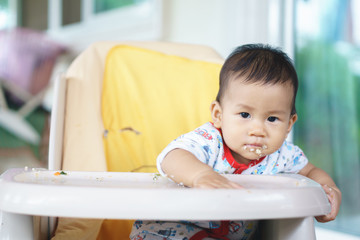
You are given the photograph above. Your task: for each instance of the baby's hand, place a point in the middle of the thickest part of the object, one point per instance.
(334, 196)
(211, 179)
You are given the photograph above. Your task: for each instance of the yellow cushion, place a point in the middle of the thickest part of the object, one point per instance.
(150, 98)
(115, 230)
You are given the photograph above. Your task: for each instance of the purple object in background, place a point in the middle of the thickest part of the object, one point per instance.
(27, 58)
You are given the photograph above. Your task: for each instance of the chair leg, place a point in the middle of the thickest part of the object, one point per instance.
(16, 226)
(32, 103)
(286, 229)
(2, 98)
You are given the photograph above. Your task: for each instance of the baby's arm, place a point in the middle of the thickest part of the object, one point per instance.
(183, 167)
(330, 188)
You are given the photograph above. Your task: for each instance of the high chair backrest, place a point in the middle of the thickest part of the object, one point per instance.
(126, 101)
(148, 99)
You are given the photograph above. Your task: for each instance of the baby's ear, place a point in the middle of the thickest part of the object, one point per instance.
(216, 113)
(292, 120)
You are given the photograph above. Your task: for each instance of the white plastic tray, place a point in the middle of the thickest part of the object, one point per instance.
(117, 195)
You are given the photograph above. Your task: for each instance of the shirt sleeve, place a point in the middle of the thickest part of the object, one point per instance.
(202, 143)
(295, 158)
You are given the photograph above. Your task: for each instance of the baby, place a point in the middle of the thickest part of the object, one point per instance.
(253, 113)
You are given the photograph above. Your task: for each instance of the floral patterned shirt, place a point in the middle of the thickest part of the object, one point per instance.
(207, 145)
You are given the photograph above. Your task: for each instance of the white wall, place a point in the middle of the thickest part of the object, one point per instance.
(222, 24)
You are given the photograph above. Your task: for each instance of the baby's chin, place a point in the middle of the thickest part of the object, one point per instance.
(248, 155)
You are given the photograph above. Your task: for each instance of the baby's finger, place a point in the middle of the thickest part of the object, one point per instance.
(235, 185)
(332, 215)
(207, 185)
(227, 185)
(212, 185)
(224, 185)
(326, 218)
(328, 190)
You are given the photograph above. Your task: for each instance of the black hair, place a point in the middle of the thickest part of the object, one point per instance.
(258, 63)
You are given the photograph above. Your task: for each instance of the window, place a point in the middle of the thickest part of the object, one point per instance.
(29, 16)
(78, 23)
(105, 5)
(34, 14)
(71, 12)
(5, 15)
(327, 58)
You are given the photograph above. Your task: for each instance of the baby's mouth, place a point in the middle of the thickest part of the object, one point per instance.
(256, 148)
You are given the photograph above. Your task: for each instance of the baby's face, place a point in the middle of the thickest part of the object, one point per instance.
(255, 119)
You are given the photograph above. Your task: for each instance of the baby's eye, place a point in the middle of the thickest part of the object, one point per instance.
(272, 119)
(245, 115)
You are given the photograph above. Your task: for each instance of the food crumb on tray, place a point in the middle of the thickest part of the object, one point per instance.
(60, 173)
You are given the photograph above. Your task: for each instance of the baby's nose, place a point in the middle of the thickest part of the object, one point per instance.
(257, 129)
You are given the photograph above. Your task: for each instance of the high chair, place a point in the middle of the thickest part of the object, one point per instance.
(116, 108)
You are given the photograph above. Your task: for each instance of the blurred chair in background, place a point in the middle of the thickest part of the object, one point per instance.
(27, 59)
